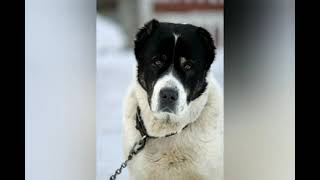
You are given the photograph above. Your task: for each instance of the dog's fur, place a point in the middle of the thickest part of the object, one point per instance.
(196, 152)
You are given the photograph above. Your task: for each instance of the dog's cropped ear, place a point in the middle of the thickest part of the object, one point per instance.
(208, 45)
(143, 34)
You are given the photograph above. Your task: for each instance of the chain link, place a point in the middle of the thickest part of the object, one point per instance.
(137, 147)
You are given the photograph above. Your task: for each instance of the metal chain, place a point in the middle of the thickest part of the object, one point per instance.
(137, 147)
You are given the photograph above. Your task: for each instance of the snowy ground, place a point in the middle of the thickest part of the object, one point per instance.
(114, 70)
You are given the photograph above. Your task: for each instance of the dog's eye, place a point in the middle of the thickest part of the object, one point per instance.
(187, 67)
(156, 61)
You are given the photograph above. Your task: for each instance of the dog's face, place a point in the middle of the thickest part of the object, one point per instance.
(173, 61)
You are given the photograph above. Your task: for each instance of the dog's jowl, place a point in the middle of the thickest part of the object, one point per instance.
(175, 91)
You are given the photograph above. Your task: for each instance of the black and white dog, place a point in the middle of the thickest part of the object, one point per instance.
(179, 104)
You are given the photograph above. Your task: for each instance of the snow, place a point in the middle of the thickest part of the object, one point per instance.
(110, 36)
(114, 74)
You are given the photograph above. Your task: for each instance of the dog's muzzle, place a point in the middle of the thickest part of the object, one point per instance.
(168, 100)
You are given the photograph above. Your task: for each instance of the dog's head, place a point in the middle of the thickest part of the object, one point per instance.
(173, 62)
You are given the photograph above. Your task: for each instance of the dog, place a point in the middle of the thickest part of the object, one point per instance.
(180, 104)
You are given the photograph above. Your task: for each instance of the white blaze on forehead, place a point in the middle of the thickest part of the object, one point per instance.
(176, 36)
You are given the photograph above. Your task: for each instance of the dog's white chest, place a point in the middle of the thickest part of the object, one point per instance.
(168, 155)
(193, 154)
(172, 159)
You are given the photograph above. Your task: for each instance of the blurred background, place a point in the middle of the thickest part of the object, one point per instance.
(69, 102)
(116, 26)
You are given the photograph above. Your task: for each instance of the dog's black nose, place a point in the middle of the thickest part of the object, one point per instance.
(168, 98)
(168, 95)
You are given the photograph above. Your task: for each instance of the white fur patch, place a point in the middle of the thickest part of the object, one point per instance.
(195, 152)
(176, 36)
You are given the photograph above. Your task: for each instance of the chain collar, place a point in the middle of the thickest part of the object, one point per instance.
(138, 146)
(142, 129)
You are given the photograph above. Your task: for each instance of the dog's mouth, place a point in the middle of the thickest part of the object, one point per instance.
(167, 110)
(168, 114)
